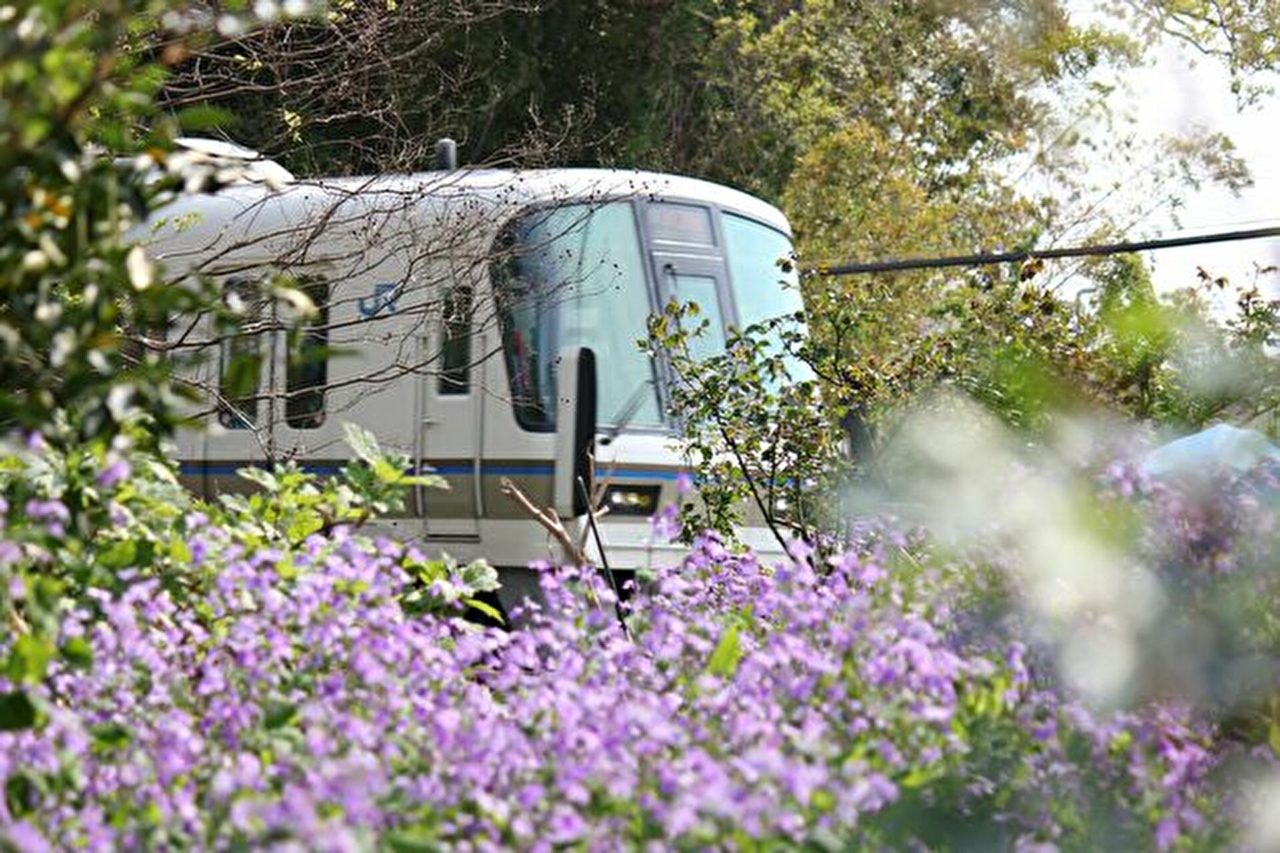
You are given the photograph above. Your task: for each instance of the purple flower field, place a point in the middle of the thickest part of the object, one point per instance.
(857, 700)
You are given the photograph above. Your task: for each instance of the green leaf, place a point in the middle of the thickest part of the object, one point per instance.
(119, 555)
(19, 794)
(385, 471)
(48, 591)
(485, 608)
(29, 659)
(429, 571)
(480, 576)
(179, 551)
(412, 841)
(728, 652)
(917, 777)
(1120, 742)
(279, 714)
(108, 736)
(362, 442)
(77, 652)
(16, 712)
(204, 117)
(428, 481)
(260, 477)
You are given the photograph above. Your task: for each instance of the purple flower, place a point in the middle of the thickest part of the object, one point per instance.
(666, 524)
(566, 826)
(47, 510)
(10, 552)
(116, 471)
(25, 838)
(1166, 833)
(53, 513)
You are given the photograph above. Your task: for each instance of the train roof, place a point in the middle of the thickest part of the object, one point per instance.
(534, 185)
(248, 219)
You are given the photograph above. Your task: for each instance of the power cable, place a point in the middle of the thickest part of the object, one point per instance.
(984, 258)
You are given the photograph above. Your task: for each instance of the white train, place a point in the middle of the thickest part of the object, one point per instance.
(452, 307)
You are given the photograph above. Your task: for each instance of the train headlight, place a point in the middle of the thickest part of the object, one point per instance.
(632, 500)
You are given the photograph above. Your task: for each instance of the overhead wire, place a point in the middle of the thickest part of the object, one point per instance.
(1018, 256)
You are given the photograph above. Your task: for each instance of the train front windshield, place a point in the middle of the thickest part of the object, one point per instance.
(581, 275)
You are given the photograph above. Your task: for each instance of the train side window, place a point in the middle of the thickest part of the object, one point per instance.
(240, 357)
(307, 372)
(455, 336)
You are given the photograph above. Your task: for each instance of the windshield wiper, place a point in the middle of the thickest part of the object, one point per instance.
(627, 412)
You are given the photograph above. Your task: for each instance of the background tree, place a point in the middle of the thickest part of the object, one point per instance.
(370, 87)
(1244, 34)
(883, 129)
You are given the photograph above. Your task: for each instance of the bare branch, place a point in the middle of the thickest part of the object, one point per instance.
(549, 521)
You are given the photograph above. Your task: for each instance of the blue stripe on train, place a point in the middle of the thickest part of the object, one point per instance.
(530, 469)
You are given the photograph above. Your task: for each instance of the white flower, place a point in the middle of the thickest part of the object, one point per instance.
(29, 29)
(266, 10)
(64, 343)
(141, 271)
(299, 302)
(230, 25)
(48, 312)
(51, 250)
(35, 261)
(120, 402)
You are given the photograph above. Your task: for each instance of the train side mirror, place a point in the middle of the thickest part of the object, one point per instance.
(575, 430)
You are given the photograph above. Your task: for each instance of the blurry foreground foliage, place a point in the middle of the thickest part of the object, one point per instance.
(72, 285)
(1244, 34)
(778, 424)
(86, 157)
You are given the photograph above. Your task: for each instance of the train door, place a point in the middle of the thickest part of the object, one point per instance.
(352, 361)
(240, 374)
(451, 417)
(700, 279)
(687, 252)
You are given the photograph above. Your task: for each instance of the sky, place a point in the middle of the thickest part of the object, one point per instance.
(1178, 91)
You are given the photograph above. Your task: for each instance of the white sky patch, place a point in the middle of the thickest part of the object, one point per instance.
(1173, 97)
(1177, 92)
